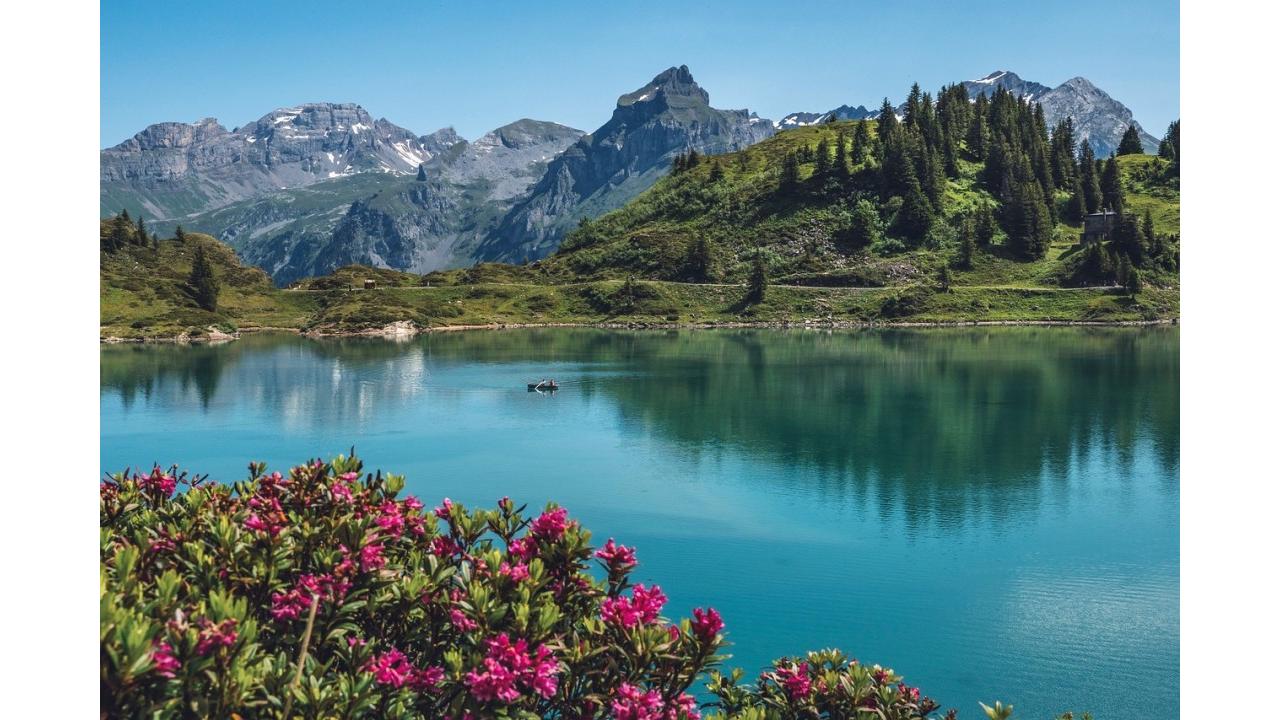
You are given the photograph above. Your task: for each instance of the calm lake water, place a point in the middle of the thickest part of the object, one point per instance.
(992, 512)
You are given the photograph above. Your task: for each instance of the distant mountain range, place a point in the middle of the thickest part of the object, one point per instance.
(1097, 116)
(307, 189)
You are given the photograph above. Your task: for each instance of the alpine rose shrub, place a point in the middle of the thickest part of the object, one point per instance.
(209, 593)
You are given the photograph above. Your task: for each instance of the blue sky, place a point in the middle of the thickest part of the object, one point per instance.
(427, 64)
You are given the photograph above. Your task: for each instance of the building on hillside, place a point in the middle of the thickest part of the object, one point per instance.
(1098, 225)
(370, 284)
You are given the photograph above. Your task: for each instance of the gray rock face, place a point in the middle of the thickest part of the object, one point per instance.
(1029, 91)
(174, 170)
(391, 219)
(625, 156)
(1097, 116)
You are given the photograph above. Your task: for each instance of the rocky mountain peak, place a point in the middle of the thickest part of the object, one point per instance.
(1008, 80)
(674, 82)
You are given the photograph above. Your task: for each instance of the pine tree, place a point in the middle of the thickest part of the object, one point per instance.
(789, 179)
(179, 235)
(916, 216)
(886, 123)
(758, 281)
(977, 137)
(678, 164)
(866, 227)
(968, 244)
(944, 277)
(1131, 143)
(985, 226)
(911, 117)
(861, 142)
(699, 261)
(1126, 240)
(203, 283)
(1112, 186)
(1027, 221)
(822, 159)
(1148, 232)
(1089, 178)
(121, 227)
(1124, 270)
(1170, 148)
(841, 159)
(1134, 284)
(1076, 206)
(717, 172)
(422, 173)
(140, 235)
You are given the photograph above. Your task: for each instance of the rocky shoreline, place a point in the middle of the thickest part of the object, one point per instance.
(405, 329)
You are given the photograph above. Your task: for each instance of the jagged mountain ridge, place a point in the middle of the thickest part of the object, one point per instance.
(625, 156)
(1097, 116)
(173, 170)
(392, 220)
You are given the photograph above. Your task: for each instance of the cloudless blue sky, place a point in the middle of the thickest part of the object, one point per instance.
(426, 64)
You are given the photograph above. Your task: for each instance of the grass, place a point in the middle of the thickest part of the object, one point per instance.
(629, 268)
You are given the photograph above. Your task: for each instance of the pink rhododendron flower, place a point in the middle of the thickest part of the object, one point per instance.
(159, 482)
(619, 558)
(526, 548)
(214, 636)
(516, 572)
(642, 608)
(509, 670)
(341, 492)
(707, 625)
(390, 668)
(442, 546)
(390, 519)
(795, 680)
(460, 621)
(442, 512)
(632, 703)
(293, 604)
(166, 665)
(550, 525)
(371, 557)
(412, 503)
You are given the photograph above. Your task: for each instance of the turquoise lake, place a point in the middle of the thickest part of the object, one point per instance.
(992, 512)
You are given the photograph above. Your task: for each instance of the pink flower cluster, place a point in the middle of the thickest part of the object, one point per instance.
(291, 605)
(634, 703)
(267, 517)
(510, 669)
(214, 636)
(394, 669)
(162, 655)
(158, 482)
(550, 525)
(706, 625)
(526, 548)
(795, 680)
(619, 558)
(642, 608)
(342, 488)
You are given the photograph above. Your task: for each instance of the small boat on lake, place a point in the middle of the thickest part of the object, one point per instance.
(544, 386)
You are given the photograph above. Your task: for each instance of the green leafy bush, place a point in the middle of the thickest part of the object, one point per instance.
(321, 593)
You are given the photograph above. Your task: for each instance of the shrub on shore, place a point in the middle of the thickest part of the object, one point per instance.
(321, 593)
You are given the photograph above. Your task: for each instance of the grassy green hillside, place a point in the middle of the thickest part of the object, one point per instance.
(143, 291)
(638, 264)
(804, 235)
